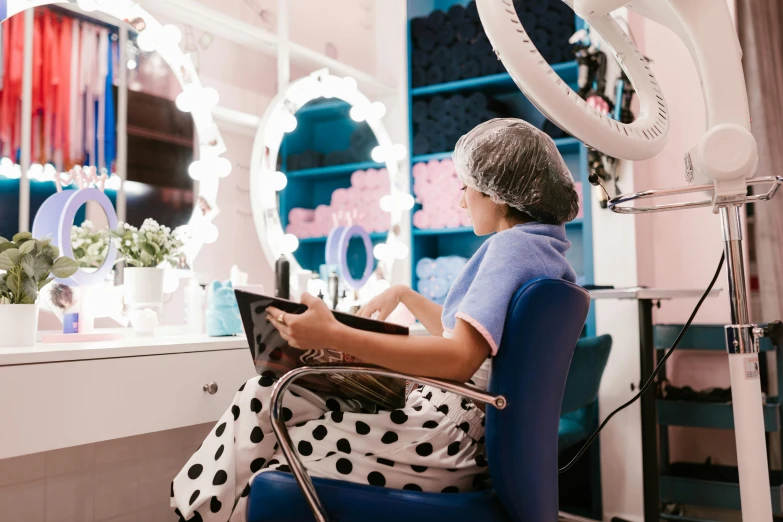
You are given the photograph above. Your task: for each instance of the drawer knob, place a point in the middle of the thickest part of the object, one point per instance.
(211, 388)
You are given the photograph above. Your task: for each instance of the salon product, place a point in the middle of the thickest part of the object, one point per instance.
(273, 357)
(194, 307)
(282, 277)
(334, 288)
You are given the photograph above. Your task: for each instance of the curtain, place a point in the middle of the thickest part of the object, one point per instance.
(761, 34)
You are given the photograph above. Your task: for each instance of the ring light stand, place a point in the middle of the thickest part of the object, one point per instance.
(719, 165)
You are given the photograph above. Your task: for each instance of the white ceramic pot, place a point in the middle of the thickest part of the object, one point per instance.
(144, 287)
(18, 324)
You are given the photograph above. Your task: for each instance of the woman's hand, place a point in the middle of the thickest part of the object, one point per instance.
(383, 303)
(316, 329)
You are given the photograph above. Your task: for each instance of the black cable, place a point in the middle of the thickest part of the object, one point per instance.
(654, 374)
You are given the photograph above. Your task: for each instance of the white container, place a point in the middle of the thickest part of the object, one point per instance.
(144, 287)
(18, 324)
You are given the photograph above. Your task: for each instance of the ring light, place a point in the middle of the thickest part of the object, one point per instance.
(265, 181)
(165, 40)
(640, 140)
(55, 219)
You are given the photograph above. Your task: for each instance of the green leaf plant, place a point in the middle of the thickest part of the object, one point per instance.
(29, 265)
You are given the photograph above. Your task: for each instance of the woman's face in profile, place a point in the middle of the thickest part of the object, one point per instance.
(483, 212)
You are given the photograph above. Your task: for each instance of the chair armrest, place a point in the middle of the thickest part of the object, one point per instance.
(279, 428)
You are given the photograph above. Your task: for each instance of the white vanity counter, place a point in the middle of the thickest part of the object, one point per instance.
(60, 395)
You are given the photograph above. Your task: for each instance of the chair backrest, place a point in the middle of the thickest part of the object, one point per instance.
(584, 375)
(544, 321)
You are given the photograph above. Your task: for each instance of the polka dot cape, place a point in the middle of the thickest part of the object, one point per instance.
(433, 444)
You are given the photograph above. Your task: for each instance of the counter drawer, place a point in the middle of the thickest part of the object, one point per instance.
(50, 406)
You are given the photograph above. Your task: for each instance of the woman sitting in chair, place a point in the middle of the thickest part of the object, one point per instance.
(517, 187)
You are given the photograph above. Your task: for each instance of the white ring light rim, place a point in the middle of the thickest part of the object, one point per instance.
(640, 140)
(269, 137)
(211, 143)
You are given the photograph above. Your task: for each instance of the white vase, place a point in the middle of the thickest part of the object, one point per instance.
(18, 324)
(144, 287)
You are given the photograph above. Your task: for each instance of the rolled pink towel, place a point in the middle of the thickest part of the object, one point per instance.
(357, 179)
(323, 214)
(578, 187)
(420, 172)
(300, 215)
(340, 198)
(383, 180)
(421, 219)
(371, 179)
(451, 219)
(448, 166)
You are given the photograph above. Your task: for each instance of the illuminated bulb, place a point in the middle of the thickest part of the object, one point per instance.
(399, 151)
(387, 203)
(132, 64)
(197, 170)
(172, 33)
(401, 250)
(184, 101)
(358, 113)
(405, 201)
(278, 181)
(317, 286)
(146, 41)
(207, 233)
(288, 122)
(377, 110)
(289, 243)
(210, 97)
(49, 172)
(378, 154)
(331, 86)
(36, 171)
(223, 167)
(381, 251)
(349, 84)
(113, 183)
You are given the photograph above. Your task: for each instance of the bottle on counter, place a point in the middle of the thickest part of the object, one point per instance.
(283, 278)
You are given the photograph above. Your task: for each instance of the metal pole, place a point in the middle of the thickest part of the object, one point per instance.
(742, 345)
(27, 121)
(651, 495)
(122, 126)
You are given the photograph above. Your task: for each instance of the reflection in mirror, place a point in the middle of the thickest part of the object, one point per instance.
(90, 240)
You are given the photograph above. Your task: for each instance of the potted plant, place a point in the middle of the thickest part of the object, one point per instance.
(28, 266)
(146, 251)
(90, 246)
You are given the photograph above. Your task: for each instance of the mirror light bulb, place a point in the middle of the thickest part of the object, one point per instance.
(289, 244)
(87, 5)
(184, 101)
(172, 33)
(381, 251)
(146, 41)
(210, 97)
(132, 64)
(278, 181)
(399, 151)
(377, 110)
(196, 170)
(387, 203)
(378, 154)
(349, 84)
(358, 113)
(223, 167)
(207, 233)
(288, 122)
(401, 250)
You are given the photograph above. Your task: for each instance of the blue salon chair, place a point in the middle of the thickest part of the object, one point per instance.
(524, 400)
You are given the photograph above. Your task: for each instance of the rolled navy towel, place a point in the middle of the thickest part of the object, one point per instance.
(541, 38)
(452, 71)
(471, 10)
(418, 77)
(419, 111)
(421, 145)
(481, 49)
(460, 51)
(333, 158)
(457, 14)
(440, 56)
(420, 59)
(528, 18)
(447, 124)
(538, 7)
(549, 20)
(436, 19)
(417, 26)
(471, 68)
(434, 75)
(426, 41)
(446, 35)
(455, 105)
(465, 31)
(489, 65)
(436, 106)
(476, 102)
(437, 141)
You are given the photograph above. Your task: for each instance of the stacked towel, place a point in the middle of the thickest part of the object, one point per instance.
(440, 121)
(449, 46)
(438, 190)
(435, 276)
(361, 201)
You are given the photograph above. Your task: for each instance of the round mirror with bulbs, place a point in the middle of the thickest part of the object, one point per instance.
(296, 204)
(150, 45)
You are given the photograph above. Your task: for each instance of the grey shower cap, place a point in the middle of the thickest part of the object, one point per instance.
(515, 163)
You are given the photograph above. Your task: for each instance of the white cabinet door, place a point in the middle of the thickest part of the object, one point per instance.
(50, 406)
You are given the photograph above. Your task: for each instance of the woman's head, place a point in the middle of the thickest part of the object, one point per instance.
(513, 173)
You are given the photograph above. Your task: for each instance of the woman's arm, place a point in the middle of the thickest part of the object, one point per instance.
(455, 359)
(427, 312)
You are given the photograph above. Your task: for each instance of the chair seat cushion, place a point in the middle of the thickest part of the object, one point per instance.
(275, 497)
(573, 429)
